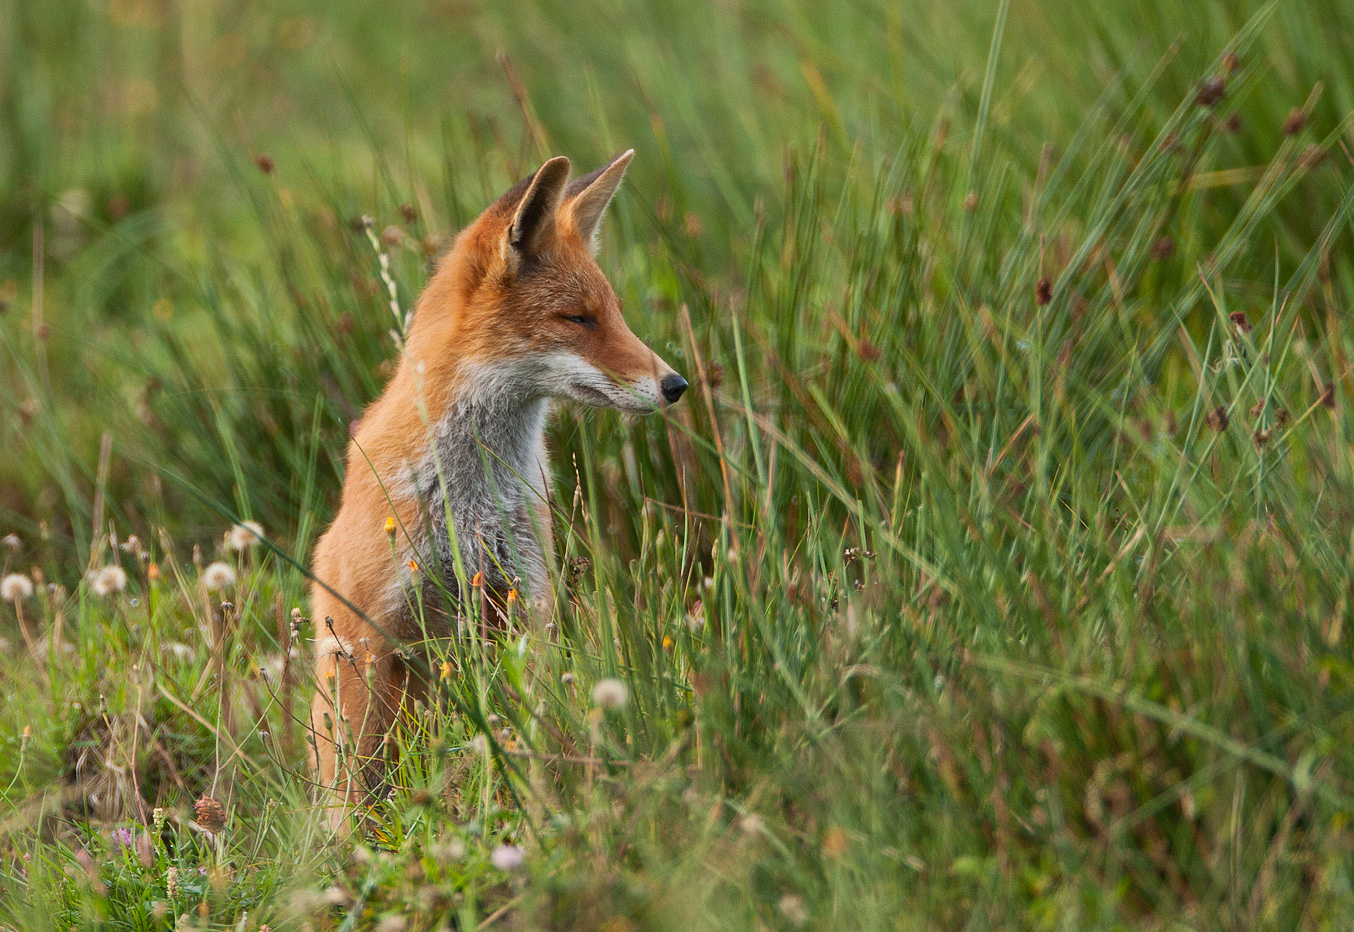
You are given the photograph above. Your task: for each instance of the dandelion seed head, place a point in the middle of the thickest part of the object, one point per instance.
(218, 576)
(449, 851)
(610, 694)
(11, 541)
(336, 896)
(792, 908)
(244, 535)
(180, 651)
(507, 857)
(108, 580)
(751, 824)
(16, 587)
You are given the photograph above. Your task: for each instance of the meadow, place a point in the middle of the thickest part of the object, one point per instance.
(993, 574)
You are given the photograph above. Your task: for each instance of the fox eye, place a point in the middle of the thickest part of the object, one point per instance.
(582, 319)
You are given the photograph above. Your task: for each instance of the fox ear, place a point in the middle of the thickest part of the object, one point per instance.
(534, 223)
(589, 196)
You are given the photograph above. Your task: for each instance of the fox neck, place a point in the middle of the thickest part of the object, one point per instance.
(485, 474)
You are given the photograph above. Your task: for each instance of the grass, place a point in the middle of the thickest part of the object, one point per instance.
(993, 574)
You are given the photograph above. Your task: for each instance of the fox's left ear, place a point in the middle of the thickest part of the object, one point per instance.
(586, 199)
(533, 224)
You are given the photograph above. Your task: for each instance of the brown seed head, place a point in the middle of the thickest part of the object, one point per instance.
(1163, 248)
(118, 205)
(1327, 399)
(1043, 291)
(1212, 90)
(265, 163)
(408, 212)
(1297, 119)
(1241, 320)
(210, 814)
(1217, 418)
(1311, 157)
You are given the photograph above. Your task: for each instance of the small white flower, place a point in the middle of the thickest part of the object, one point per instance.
(610, 694)
(218, 576)
(12, 541)
(507, 857)
(244, 535)
(108, 580)
(16, 587)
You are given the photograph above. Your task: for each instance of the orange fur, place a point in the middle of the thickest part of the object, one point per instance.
(517, 313)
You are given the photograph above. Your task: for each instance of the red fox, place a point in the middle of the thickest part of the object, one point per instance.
(450, 462)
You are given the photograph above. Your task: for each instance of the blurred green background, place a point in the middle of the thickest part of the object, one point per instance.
(132, 133)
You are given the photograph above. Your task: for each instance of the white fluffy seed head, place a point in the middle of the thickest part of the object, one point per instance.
(610, 694)
(793, 909)
(108, 580)
(244, 535)
(16, 587)
(218, 576)
(507, 857)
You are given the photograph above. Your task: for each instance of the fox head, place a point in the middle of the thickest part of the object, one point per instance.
(523, 296)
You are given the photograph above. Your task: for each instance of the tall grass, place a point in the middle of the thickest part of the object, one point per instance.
(993, 574)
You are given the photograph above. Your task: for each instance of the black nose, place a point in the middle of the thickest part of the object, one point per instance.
(673, 386)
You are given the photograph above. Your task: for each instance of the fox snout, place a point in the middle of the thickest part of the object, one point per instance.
(654, 392)
(578, 377)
